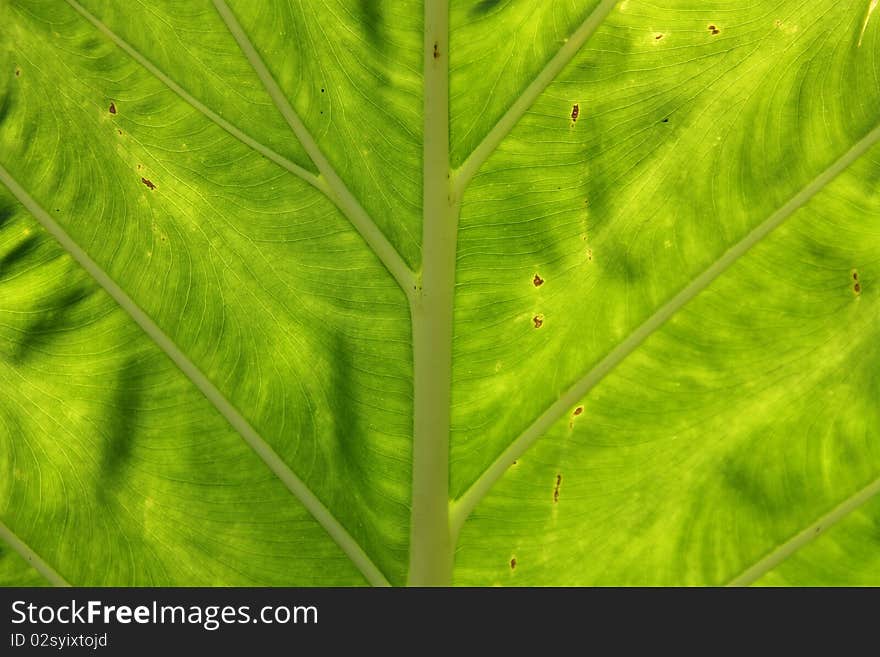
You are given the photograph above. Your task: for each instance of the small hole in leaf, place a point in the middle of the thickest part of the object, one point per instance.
(665, 120)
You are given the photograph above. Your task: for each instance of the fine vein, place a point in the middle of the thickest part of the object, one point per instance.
(337, 190)
(466, 503)
(293, 483)
(798, 541)
(262, 149)
(519, 107)
(29, 555)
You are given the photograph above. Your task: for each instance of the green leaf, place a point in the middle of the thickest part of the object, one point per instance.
(480, 292)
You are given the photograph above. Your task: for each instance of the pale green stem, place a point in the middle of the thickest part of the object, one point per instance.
(431, 547)
(28, 554)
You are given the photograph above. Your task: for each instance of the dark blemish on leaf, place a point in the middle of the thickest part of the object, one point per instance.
(148, 183)
(556, 489)
(818, 529)
(513, 563)
(436, 50)
(17, 72)
(119, 131)
(112, 108)
(857, 288)
(714, 30)
(538, 320)
(514, 461)
(665, 121)
(577, 411)
(658, 37)
(590, 255)
(855, 275)
(322, 89)
(537, 281)
(575, 112)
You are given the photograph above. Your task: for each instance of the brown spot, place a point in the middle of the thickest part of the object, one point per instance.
(665, 120)
(514, 462)
(556, 490)
(538, 320)
(112, 108)
(119, 131)
(436, 50)
(714, 30)
(537, 281)
(818, 529)
(855, 275)
(148, 183)
(658, 37)
(575, 112)
(857, 288)
(590, 255)
(579, 410)
(17, 72)
(513, 563)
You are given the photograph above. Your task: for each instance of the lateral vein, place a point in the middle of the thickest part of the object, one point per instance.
(337, 191)
(29, 555)
(796, 542)
(274, 462)
(264, 150)
(463, 506)
(505, 124)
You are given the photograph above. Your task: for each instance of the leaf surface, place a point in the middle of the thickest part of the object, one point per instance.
(664, 360)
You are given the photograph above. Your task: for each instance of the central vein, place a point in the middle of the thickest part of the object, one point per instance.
(431, 546)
